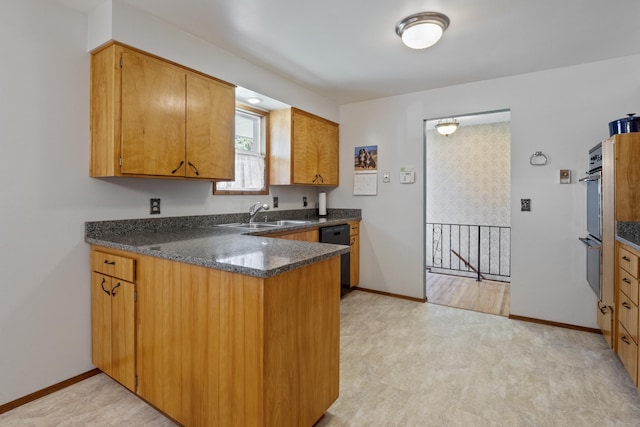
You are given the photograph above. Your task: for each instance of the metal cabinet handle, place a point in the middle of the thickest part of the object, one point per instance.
(627, 281)
(195, 169)
(106, 261)
(178, 168)
(625, 339)
(603, 308)
(626, 305)
(316, 178)
(353, 241)
(102, 285)
(113, 291)
(626, 258)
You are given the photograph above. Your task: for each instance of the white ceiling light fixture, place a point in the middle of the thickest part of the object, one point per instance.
(447, 126)
(421, 30)
(254, 100)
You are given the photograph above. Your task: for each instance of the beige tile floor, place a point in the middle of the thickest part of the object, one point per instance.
(411, 364)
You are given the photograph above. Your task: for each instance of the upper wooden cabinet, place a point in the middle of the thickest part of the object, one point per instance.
(154, 118)
(627, 176)
(304, 149)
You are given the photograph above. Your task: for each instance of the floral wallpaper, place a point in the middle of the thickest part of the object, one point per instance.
(468, 175)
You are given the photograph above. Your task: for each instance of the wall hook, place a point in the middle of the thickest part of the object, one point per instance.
(538, 159)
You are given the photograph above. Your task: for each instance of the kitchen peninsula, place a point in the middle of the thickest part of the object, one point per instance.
(216, 325)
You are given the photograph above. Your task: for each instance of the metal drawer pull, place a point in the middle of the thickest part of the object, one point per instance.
(106, 261)
(179, 166)
(625, 280)
(626, 258)
(195, 169)
(626, 305)
(102, 285)
(625, 339)
(113, 291)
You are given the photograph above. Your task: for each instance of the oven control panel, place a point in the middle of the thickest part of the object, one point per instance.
(595, 158)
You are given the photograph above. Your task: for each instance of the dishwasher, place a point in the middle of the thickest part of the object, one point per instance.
(339, 235)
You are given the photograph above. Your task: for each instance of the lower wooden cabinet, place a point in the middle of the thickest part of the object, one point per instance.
(113, 325)
(312, 235)
(627, 309)
(215, 348)
(628, 353)
(354, 235)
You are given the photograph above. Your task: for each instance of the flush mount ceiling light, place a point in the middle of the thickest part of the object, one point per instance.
(422, 30)
(254, 100)
(447, 126)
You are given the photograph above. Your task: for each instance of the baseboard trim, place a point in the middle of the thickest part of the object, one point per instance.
(389, 294)
(558, 324)
(45, 391)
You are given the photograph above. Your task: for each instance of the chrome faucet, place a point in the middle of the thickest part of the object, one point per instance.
(255, 208)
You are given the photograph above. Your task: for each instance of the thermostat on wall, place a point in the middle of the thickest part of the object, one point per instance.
(407, 177)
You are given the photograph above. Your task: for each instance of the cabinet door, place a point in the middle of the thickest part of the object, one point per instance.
(328, 154)
(305, 140)
(122, 333)
(101, 322)
(354, 260)
(153, 116)
(210, 129)
(305, 236)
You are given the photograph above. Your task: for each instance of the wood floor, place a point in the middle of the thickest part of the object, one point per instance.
(462, 292)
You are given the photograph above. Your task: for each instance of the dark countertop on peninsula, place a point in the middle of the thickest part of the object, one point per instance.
(200, 240)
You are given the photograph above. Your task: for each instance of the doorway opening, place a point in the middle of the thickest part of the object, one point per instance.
(467, 211)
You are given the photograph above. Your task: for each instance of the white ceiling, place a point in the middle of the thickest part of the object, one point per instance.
(348, 51)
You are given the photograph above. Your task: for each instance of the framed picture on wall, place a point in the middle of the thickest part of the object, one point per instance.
(365, 158)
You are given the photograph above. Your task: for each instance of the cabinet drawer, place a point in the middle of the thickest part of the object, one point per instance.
(113, 265)
(628, 261)
(354, 228)
(628, 315)
(628, 353)
(628, 284)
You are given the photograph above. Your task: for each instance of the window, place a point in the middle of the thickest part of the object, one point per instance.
(251, 152)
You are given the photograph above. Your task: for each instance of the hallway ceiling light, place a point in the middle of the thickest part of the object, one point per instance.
(447, 126)
(421, 30)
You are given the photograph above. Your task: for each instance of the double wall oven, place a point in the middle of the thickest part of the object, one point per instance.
(593, 240)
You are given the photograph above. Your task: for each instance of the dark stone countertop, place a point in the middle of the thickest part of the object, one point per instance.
(628, 233)
(200, 240)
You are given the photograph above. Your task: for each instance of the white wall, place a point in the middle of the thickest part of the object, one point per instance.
(561, 112)
(47, 195)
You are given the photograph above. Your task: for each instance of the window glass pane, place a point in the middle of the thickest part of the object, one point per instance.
(250, 155)
(247, 132)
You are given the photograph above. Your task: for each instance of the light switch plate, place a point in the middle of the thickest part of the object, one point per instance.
(525, 205)
(386, 177)
(565, 176)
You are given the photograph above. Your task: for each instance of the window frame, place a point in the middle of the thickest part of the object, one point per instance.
(264, 121)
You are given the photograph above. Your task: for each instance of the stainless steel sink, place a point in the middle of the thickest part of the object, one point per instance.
(250, 225)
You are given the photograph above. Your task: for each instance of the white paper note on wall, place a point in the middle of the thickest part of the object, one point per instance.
(365, 183)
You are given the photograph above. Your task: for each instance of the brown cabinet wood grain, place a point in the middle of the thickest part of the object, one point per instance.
(627, 313)
(154, 118)
(304, 149)
(354, 256)
(222, 348)
(113, 324)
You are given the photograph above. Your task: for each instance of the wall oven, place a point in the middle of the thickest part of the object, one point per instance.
(593, 240)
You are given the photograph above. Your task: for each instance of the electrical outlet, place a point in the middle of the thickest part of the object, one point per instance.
(154, 206)
(275, 201)
(525, 205)
(304, 201)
